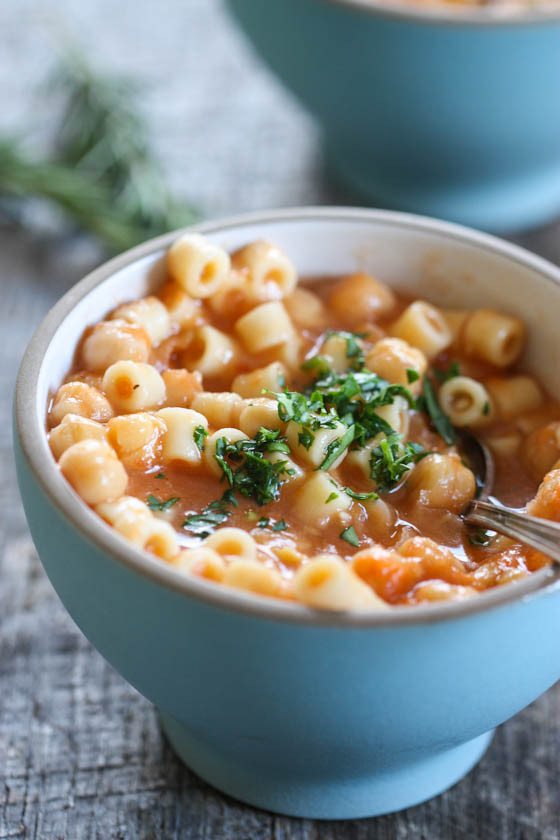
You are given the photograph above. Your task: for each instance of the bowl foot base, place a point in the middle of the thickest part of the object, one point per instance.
(385, 790)
(499, 206)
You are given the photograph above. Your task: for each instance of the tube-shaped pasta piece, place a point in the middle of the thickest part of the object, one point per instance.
(306, 310)
(210, 351)
(505, 444)
(360, 297)
(328, 583)
(423, 326)
(393, 358)
(232, 543)
(181, 387)
(203, 562)
(269, 273)
(161, 540)
(455, 320)
(134, 386)
(492, 337)
(381, 518)
(252, 576)
(150, 314)
(515, 395)
(231, 435)
(197, 265)
(265, 326)
(252, 384)
(94, 471)
(258, 412)
(396, 414)
(221, 408)
(136, 438)
(130, 517)
(183, 310)
(335, 351)
(291, 470)
(72, 429)
(441, 481)
(316, 453)
(466, 402)
(82, 399)
(179, 441)
(114, 341)
(541, 450)
(319, 499)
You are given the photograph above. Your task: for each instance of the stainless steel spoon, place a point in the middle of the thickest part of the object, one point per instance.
(538, 533)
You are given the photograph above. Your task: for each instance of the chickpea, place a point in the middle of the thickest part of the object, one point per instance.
(360, 297)
(94, 471)
(113, 341)
(79, 398)
(442, 481)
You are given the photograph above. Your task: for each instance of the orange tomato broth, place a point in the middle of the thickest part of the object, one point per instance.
(453, 558)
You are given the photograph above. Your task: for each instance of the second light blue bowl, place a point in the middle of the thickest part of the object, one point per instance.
(451, 114)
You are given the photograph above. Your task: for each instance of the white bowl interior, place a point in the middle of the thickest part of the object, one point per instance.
(425, 259)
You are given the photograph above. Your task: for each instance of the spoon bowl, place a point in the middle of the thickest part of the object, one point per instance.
(540, 534)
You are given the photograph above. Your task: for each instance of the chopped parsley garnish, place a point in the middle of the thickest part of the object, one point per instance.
(155, 504)
(336, 447)
(438, 417)
(199, 436)
(203, 524)
(246, 469)
(350, 536)
(412, 375)
(264, 522)
(486, 408)
(444, 375)
(360, 497)
(161, 475)
(480, 537)
(391, 459)
(331, 497)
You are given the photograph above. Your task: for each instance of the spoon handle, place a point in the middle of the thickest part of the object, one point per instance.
(538, 533)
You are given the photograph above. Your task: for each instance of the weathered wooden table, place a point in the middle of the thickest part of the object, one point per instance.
(81, 755)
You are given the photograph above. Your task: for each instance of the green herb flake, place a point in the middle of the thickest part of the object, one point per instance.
(263, 522)
(161, 475)
(444, 375)
(248, 471)
(438, 417)
(279, 526)
(412, 375)
(350, 536)
(480, 537)
(199, 436)
(155, 504)
(360, 497)
(336, 447)
(331, 497)
(486, 409)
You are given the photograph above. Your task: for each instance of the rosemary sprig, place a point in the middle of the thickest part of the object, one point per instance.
(102, 172)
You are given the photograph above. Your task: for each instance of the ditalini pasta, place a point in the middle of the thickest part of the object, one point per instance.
(299, 441)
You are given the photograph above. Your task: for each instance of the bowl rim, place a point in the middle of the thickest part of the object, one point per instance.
(515, 13)
(33, 439)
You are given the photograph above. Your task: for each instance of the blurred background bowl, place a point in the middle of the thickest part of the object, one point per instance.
(446, 111)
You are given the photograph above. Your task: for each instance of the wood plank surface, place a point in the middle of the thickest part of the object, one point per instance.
(81, 755)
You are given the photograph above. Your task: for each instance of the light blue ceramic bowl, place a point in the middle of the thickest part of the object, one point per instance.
(428, 109)
(306, 713)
